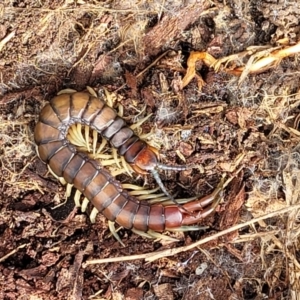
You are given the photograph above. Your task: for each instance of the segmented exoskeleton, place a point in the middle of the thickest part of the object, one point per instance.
(96, 183)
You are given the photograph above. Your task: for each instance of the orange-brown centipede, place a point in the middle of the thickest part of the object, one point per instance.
(96, 183)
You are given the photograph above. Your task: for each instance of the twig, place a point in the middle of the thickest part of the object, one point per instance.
(3, 258)
(6, 39)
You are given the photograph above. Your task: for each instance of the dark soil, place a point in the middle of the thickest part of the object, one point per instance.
(248, 130)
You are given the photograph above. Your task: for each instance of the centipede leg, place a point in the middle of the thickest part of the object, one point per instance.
(204, 206)
(113, 231)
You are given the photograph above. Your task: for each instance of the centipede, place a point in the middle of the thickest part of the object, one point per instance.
(95, 182)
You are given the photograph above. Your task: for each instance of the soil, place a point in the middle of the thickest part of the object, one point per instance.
(245, 129)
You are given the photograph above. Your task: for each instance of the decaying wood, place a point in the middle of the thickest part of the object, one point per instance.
(171, 27)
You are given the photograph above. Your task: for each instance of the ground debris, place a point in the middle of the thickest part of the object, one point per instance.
(245, 127)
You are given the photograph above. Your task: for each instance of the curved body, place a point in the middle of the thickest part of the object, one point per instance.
(96, 183)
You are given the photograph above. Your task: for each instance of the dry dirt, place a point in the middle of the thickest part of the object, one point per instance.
(247, 130)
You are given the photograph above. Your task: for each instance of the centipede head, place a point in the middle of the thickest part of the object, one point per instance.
(146, 160)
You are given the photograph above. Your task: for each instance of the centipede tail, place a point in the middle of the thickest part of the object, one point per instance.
(96, 183)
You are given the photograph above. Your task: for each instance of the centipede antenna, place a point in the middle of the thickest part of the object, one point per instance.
(174, 168)
(162, 187)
